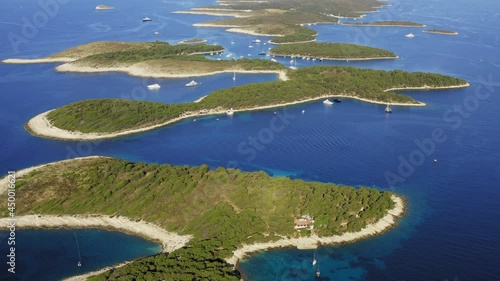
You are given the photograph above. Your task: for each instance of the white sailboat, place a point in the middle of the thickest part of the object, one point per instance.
(327, 102)
(192, 84)
(230, 112)
(234, 75)
(314, 260)
(154, 86)
(410, 35)
(146, 19)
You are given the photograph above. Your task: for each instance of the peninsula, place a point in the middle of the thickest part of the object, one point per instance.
(332, 51)
(108, 118)
(440, 31)
(385, 23)
(218, 214)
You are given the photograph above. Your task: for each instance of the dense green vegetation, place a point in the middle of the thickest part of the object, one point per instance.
(227, 204)
(112, 115)
(331, 50)
(386, 23)
(198, 261)
(154, 51)
(303, 34)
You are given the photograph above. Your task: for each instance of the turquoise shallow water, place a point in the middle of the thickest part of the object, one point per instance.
(451, 227)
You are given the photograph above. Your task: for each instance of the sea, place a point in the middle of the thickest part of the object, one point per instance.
(444, 158)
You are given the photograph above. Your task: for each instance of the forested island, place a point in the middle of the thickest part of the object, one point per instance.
(154, 59)
(332, 51)
(281, 18)
(221, 209)
(440, 31)
(104, 118)
(385, 23)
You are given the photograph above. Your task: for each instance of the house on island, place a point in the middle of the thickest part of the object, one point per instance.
(304, 222)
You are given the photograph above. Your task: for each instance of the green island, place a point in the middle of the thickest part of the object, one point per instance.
(282, 18)
(440, 31)
(385, 23)
(332, 51)
(304, 85)
(154, 59)
(192, 41)
(220, 208)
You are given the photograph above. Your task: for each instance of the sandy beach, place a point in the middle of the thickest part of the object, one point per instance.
(40, 126)
(169, 241)
(142, 70)
(385, 223)
(41, 60)
(219, 12)
(251, 32)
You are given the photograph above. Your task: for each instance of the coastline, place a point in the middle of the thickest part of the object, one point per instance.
(383, 25)
(139, 71)
(442, 33)
(170, 241)
(312, 242)
(250, 32)
(187, 42)
(285, 43)
(20, 173)
(428, 88)
(40, 126)
(40, 60)
(337, 59)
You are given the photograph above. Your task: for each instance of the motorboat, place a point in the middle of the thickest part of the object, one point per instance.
(154, 86)
(192, 84)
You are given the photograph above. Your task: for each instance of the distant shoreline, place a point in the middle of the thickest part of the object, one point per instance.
(440, 32)
(338, 59)
(40, 60)
(382, 25)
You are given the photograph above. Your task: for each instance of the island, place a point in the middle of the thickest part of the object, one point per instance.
(192, 41)
(103, 7)
(440, 31)
(206, 219)
(332, 51)
(108, 118)
(385, 23)
(154, 59)
(282, 19)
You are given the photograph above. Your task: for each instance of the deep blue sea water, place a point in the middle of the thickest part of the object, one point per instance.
(451, 229)
(45, 255)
